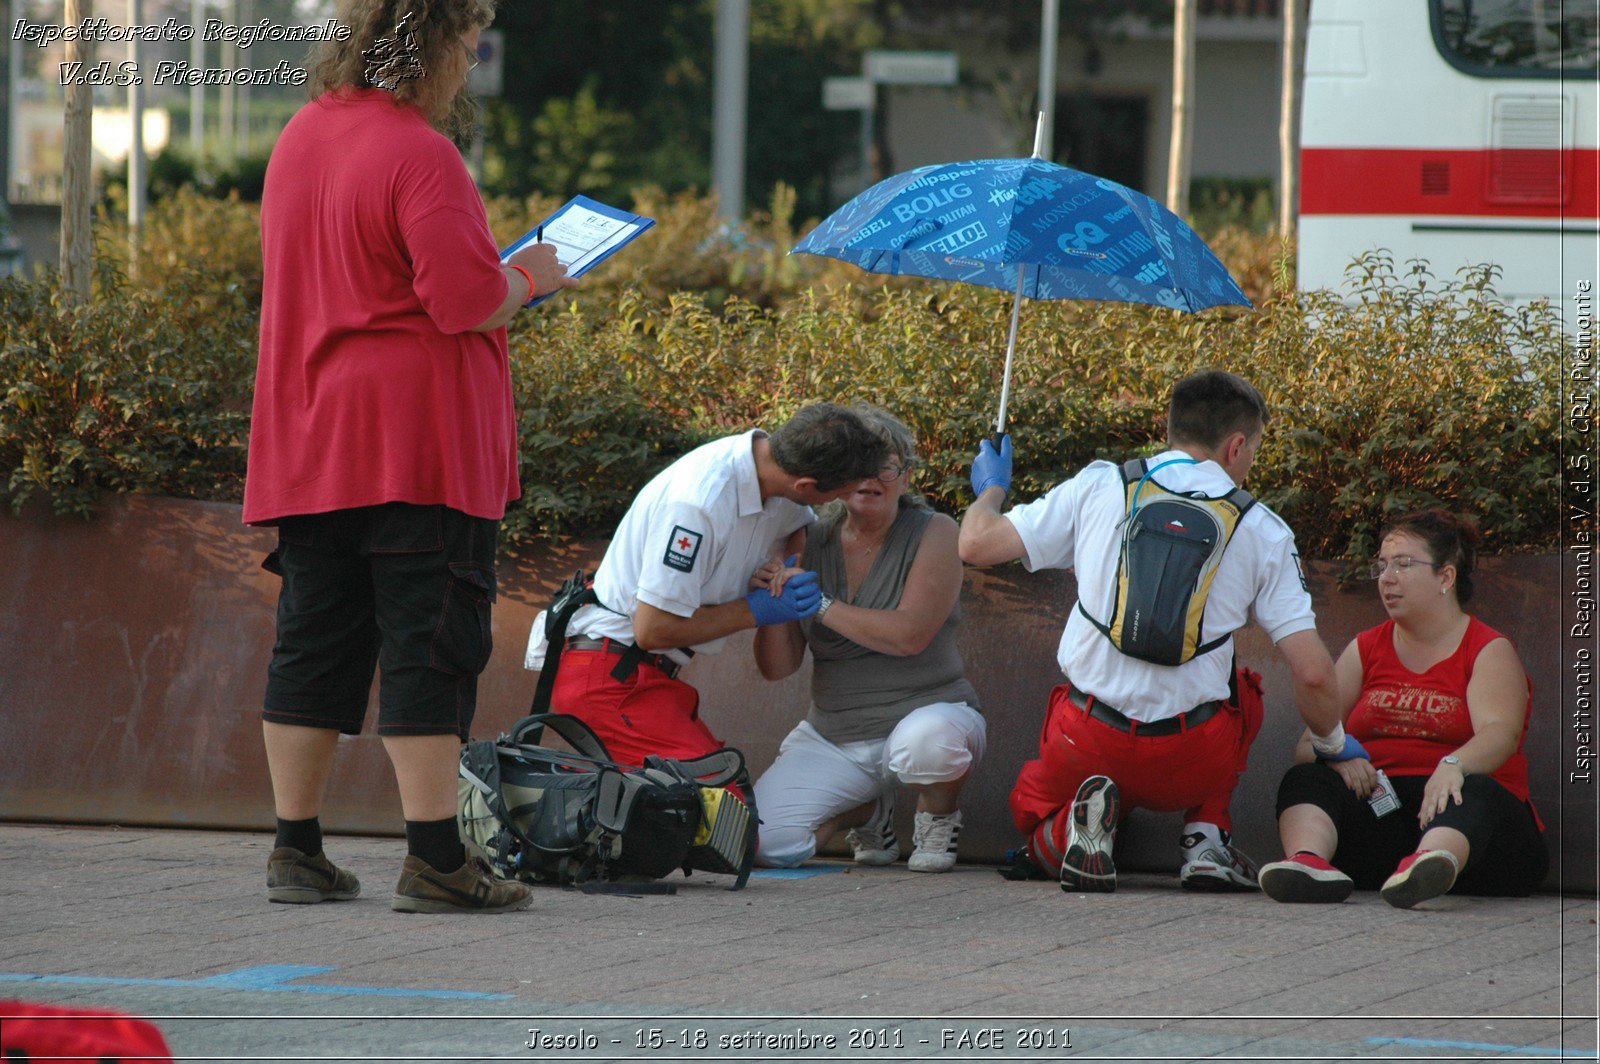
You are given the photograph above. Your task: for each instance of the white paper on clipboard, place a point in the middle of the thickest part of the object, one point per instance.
(585, 233)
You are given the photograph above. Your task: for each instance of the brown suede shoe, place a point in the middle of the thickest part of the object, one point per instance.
(472, 888)
(295, 879)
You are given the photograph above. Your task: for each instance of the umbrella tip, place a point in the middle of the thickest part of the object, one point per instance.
(1038, 136)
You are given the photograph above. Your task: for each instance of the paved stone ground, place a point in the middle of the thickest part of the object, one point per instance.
(889, 964)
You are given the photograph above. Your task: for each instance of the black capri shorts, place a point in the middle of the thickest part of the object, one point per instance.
(1507, 856)
(403, 588)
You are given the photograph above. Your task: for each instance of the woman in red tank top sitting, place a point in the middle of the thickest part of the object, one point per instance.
(1441, 702)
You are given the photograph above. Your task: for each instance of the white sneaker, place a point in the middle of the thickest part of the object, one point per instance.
(934, 842)
(1211, 862)
(874, 842)
(1087, 865)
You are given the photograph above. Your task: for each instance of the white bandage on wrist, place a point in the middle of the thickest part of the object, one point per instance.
(1330, 744)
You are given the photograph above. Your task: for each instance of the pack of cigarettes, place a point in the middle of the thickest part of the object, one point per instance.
(1382, 798)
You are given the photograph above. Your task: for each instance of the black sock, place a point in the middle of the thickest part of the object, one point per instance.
(436, 842)
(302, 835)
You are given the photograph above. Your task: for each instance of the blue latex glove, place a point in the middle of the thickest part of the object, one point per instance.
(992, 469)
(1352, 750)
(800, 599)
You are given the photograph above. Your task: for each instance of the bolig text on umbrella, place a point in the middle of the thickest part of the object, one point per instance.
(939, 197)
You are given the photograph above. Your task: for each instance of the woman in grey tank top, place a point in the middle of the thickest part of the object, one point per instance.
(890, 704)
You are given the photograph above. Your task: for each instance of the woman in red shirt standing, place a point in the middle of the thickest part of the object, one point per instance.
(1441, 702)
(383, 442)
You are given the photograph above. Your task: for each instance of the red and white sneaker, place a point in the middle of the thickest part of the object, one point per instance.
(1420, 876)
(1087, 864)
(1305, 877)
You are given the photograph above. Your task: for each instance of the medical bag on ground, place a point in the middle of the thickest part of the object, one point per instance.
(578, 818)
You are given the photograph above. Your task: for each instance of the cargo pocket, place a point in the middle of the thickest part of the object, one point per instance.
(463, 640)
(273, 564)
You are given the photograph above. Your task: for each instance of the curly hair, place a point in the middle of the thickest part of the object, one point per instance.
(436, 27)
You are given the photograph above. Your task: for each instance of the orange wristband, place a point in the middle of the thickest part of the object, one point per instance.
(526, 274)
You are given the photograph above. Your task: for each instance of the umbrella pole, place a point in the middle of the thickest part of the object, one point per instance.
(1016, 306)
(1011, 348)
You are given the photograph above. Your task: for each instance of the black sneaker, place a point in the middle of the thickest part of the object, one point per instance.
(1087, 865)
(472, 888)
(295, 879)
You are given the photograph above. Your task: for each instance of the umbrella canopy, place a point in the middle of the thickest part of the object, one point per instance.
(1082, 236)
(1027, 226)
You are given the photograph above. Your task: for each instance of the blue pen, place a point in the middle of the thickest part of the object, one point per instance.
(538, 234)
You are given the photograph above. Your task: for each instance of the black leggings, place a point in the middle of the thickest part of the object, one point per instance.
(1507, 857)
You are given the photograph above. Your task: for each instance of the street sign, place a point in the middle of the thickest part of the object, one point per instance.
(911, 68)
(488, 78)
(847, 94)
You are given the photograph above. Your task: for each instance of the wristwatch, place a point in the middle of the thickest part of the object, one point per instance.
(1451, 759)
(827, 601)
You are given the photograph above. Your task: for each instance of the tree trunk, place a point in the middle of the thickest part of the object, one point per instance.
(77, 189)
(1182, 108)
(1294, 72)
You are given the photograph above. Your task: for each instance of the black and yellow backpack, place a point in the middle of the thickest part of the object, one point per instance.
(1172, 543)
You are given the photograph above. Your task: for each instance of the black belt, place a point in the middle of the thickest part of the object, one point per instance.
(1169, 726)
(625, 650)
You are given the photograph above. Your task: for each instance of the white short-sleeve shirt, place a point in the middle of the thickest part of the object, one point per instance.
(1077, 526)
(692, 538)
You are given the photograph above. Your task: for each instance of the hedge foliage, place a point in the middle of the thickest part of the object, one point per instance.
(1403, 391)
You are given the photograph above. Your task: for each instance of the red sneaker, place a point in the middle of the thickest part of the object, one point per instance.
(1305, 877)
(1420, 876)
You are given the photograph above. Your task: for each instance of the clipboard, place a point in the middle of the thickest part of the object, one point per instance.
(585, 233)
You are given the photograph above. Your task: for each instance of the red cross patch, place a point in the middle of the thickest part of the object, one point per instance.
(682, 549)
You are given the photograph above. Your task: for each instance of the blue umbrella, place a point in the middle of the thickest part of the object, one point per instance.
(1031, 226)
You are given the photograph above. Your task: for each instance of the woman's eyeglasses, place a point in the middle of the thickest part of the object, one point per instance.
(894, 471)
(473, 59)
(1376, 569)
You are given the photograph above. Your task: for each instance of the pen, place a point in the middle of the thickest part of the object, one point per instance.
(538, 235)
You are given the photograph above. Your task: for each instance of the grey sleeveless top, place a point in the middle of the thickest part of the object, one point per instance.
(858, 693)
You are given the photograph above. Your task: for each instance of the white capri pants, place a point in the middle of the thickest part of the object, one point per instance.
(813, 780)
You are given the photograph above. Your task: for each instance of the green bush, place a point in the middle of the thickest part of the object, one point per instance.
(127, 393)
(1415, 391)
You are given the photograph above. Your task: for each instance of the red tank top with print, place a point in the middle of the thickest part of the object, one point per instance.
(1409, 720)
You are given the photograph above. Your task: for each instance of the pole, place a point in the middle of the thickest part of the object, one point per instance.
(246, 62)
(731, 85)
(197, 91)
(1011, 349)
(1040, 139)
(1294, 72)
(227, 58)
(1182, 108)
(11, 141)
(136, 160)
(77, 187)
(1049, 35)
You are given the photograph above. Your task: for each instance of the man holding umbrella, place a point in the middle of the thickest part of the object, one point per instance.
(1123, 730)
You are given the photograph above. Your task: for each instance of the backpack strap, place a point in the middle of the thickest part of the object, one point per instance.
(571, 597)
(578, 735)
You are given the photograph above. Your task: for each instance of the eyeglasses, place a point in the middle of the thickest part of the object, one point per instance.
(473, 58)
(892, 472)
(1400, 564)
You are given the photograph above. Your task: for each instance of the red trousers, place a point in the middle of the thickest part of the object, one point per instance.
(1196, 770)
(645, 714)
